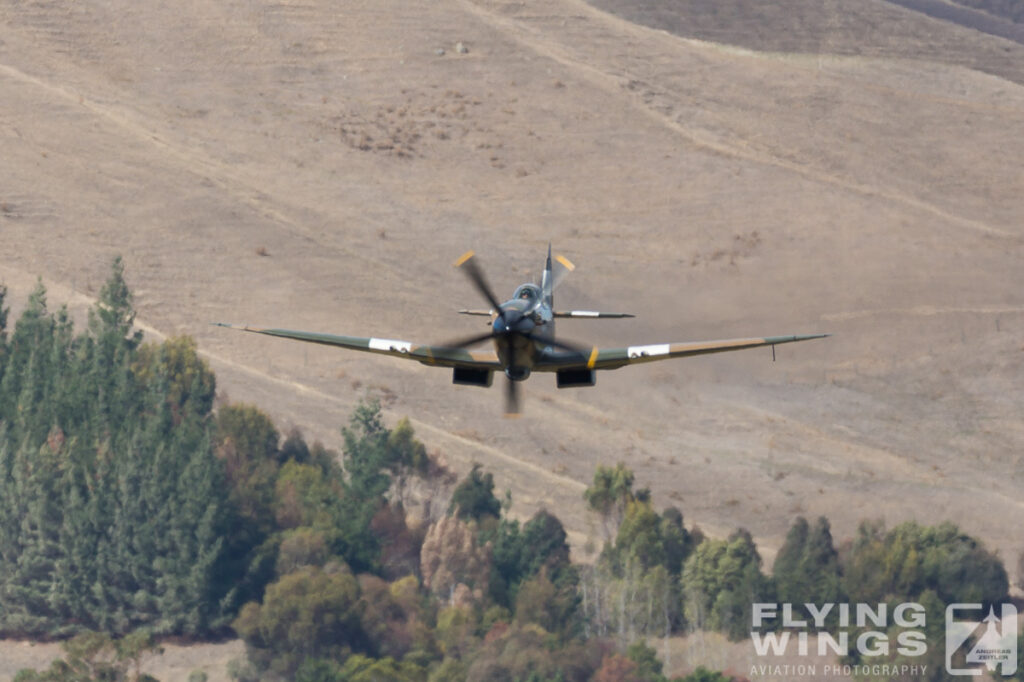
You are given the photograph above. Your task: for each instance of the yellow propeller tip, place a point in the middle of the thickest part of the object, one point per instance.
(565, 262)
(463, 258)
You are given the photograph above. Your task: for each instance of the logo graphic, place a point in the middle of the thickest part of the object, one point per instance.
(991, 642)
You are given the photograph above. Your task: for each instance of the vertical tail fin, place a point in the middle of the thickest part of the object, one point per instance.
(547, 281)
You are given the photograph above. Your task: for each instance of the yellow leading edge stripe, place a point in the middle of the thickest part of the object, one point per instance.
(593, 358)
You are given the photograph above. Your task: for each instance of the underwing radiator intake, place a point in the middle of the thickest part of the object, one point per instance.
(468, 376)
(569, 378)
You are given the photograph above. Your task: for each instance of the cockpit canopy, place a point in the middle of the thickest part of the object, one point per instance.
(527, 292)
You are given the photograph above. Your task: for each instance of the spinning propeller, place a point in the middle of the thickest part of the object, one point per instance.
(510, 322)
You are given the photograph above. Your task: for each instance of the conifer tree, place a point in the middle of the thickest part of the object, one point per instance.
(25, 378)
(26, 581)
(806, 569)
(821, 563)
(111, 506)
(3, 349)
(786, 568)
(114, 314)
(366, 453)
(3, 326)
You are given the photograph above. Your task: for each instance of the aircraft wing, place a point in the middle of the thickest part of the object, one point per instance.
(613, 358)
(589, 313)
(441, 356)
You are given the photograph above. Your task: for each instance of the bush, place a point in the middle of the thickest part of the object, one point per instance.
(312, 613)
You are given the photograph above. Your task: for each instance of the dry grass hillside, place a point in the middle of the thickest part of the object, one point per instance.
(849, 166)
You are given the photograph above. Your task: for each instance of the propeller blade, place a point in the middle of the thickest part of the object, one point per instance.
(468, 341)
(560, 274)
(571, 346)
(512, 408)
(476, 275)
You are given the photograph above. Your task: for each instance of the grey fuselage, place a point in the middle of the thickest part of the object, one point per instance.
(524, 331)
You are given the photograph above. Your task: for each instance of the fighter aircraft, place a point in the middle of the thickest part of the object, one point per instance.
(522, 331)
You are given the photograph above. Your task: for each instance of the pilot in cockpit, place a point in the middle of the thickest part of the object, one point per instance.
(528, 293)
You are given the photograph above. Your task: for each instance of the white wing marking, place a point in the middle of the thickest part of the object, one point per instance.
(640, 351)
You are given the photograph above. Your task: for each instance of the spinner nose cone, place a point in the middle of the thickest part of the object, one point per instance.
(513, 320)
(525, 325)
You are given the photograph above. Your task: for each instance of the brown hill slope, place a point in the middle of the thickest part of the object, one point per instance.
(716, 192)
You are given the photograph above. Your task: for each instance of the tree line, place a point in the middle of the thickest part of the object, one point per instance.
(132, 508)
(654, 578)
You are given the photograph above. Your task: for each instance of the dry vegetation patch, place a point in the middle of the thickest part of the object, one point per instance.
(410, 126)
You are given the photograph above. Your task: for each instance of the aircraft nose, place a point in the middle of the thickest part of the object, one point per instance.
(525, 325)
(513, 321)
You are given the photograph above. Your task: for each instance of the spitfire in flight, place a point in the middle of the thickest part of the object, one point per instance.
(522, 332)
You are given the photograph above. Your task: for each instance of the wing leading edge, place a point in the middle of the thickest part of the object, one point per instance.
(440, 356)
(613, 358)
(593, 314)
(597, 358)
